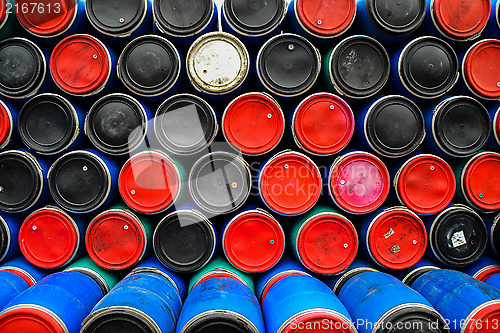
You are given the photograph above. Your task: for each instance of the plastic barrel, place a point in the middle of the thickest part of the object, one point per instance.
(11, 285)
(468, 305)
(25, 270)
(379, 302)
(409, 275)
(493, 27)
(8, 125)
(482, 269)
(221, 304)
(493, 281)
(494, 141)
(9, 232)
(104, 278)
(358, 266)
(492, 222)
(324, 241)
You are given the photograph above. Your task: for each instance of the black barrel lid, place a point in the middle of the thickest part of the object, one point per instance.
(428, 67)
(220, 323)
(252, 17)
(396, 17)
(459, 236)
(359, 66)
(495, 234)
(48, 123)
(184, 241)
(288, 64)
(185, 124)
(20, 181)
(394, 127)
(116, 124)
(413, 319)
(116, 17)
(4, 237)
(149, 65)
(79, 182)
(183, 18)
(461, 126)
(119, 320)
(22, 67)
(220, 182)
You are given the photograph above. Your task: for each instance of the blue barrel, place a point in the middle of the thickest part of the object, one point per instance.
(409, 275)
(24, 269)
(359, 265)
(141, 302)
(483, 268)
(494, 281)
(296, 302)
(9, 232)
(378, 302)
(9, 136)
(492, 29)
(60, 302)
(463, 301)
(221, 304)
(11, 285)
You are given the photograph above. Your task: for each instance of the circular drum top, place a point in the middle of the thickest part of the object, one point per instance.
(184, 241)
(150, 182)
(22, 68)
(116, 17)
(217, 63)
(413, 318)
(426, 184)
(461, 126)
(116, 239)
(428, 67)
(116, 124)
(460, 20)
(485, 313)
(327, 243)
(288, 65)
(29, 319)
(220, 322)
(290, 183)
(21, 181)
(359, 67)
(396, 18)
(49, 19)
(359, 182)
(458, 236)
(75, 53)
(185, 124)
(118, 319)
(254, 18)
(325, 19)
(481, 69)
(48, 124)
(183, 18)
(253, 241)
(394, 126)
(323, 124)
(480, 181)
(302, 323)
(6, 125)
(149, 65)
(397, 239)
(253, 123)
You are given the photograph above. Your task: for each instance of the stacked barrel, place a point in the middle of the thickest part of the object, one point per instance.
(249, 166)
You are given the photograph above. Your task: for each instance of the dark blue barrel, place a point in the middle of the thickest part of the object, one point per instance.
(468, 305)
(359, 265)
(11, 285)
(492, 29)
(379, 302)
(59, 303)
(297, 302)
(9, 232)
(483, 268)
(141, 302)
(494, 281)
(9, 135)
(409, 275)
(24, 269)
(221, 304)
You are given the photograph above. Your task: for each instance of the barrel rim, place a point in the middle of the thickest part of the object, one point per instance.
(124, 31)
(50, 317)
(161, 23)
(216, 271)
(4, 232)
(123, 310)
(486, 272)
(423, 308)
(319, 312)
(494, 303)
(277, 277)
(349, 274)
(5, 136)
(416, 273)
(495, 233)
(25, 275)
(227, 314)
(496, 120)
(94, 275)
(5, 13)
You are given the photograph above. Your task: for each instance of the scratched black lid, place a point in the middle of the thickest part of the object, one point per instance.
(116, 124)
(116, 17)
(428, 67)
(48, 124)
(5, 238)
(149, 65)
(413, 318)
(394, 126)
(396, 17)
(22, 67)
(252, 17)
(183, 17)
(359, 66)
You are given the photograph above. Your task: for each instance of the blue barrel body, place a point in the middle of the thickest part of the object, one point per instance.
(492, 29)
(11, 225)
(455, 295)
(218, 294)
(11, 140)
(493, 281)
(11, 286)
(359, 265)
(25, 269)
(482, 268)
(408, 276)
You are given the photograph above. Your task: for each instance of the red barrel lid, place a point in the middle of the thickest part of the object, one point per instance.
(290, 183)
(397, 239)
(320, 321)
(253, 123)
(460, 20)
(359, 182)
(327, 243)
(481, 69)
(5, 124)
(21, 273)
(49, 238)
(487, 273)
(3, 10)
(325, 18)
(80, 65)
(253, 241)
(425, 184)
(29, 319)
(149, 182)
(323, 124)
(48, 19)
(115, 239)
(484, 318)
(480, 180)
